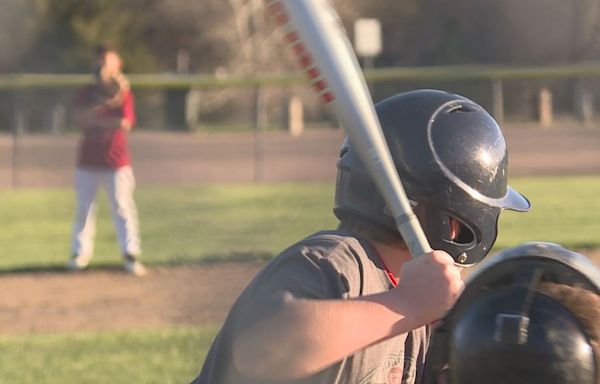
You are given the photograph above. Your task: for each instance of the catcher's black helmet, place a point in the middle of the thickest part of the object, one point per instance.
(516, 322)
(451, 157)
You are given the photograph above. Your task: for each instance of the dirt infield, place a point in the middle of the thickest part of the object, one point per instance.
(109, 299)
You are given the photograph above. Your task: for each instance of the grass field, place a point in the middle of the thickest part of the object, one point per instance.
(231, 222)
(566, 210)
(158, 356)
(212, 223)
(183, 224)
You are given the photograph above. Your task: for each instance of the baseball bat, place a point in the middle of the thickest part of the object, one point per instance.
(316, 35)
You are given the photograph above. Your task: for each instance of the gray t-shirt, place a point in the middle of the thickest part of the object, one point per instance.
(326, 265)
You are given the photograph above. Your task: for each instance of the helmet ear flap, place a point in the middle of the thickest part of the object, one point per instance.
(474, 236)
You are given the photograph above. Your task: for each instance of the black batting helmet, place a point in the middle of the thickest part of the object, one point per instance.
(516, 322)
(452, 159)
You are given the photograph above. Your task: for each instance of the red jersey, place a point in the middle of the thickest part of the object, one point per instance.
(105, 148)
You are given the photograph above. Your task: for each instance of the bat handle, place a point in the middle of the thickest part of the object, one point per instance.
(409, 227)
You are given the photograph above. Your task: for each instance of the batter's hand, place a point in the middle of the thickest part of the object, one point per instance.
(430, 284)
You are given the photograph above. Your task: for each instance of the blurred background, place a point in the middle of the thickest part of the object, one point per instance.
(234, 156)
(221, 67)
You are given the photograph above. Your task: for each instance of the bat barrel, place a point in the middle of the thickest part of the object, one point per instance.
(316, 35)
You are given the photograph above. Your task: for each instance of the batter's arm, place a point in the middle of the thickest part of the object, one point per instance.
(300, 337)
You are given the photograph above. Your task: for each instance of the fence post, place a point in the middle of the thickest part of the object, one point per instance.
(58, 118)
(260, 124)
(497, 100)
(19, 126)
(192, 108)
(545, 114)
(584, 102)
(176, 98)
(295, 116)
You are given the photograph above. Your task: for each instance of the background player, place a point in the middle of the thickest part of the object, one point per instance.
(105, 112)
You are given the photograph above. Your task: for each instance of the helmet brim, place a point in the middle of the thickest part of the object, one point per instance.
(514, 201)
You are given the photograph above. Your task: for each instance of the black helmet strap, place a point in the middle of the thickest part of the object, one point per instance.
(512, 323)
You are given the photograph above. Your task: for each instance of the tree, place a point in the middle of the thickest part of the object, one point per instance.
(20, 28)
(71, 28)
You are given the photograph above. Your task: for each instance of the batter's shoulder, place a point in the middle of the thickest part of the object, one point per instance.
(327, 264)
(343, 251)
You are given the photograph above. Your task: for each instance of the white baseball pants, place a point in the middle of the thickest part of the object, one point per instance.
(119, 185)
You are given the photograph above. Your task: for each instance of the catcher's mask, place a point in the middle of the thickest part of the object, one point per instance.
(452, 159)
(509, 327)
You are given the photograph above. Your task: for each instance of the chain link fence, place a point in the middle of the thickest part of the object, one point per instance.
(243, 122)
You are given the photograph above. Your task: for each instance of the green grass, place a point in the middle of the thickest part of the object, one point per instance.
(188, 224)
(148, 356)
(566, 210)
(233, 222)
(178, 224)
